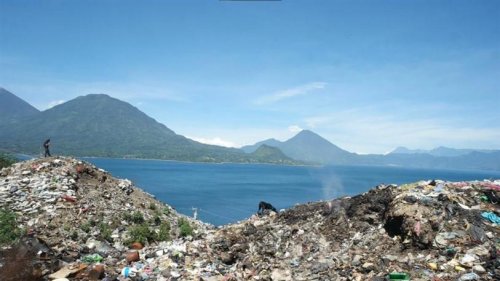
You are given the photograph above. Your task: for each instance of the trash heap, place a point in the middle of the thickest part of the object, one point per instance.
(76, 215)
(429, 230)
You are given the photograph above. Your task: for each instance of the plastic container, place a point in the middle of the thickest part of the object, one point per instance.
(399, 276)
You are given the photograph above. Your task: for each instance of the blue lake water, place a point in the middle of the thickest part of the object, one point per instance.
(225, 193)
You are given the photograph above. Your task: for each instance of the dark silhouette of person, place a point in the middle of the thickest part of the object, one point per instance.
(265, 206)
(46, 145)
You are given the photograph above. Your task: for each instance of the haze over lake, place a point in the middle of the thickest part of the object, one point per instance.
(225, 193)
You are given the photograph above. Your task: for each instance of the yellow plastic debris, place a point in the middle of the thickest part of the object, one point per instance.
(459, 268)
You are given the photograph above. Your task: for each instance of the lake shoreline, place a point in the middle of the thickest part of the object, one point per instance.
(231, 192)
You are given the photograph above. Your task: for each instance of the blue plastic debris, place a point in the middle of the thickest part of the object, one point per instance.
(491, 216)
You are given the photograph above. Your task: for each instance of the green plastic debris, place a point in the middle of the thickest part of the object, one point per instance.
(399, 276)
(92, 258)
(450, 251)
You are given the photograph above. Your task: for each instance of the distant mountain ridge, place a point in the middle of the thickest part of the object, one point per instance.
(309, 147)
(99, 125)
(12, 107)
(272, 155)
(254, 147)
(441, 151)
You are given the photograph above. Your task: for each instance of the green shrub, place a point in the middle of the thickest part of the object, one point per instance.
(156, 220)
(6, 160)
(164, 233)
(66, 227)
(127, 217)
(184, 227)
(137, 217)
(105, 232)
(152, 206)
(140, 233)
(86, 227)
(9, 231)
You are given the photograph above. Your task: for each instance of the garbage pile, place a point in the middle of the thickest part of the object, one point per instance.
(73, 212)
(429, 230)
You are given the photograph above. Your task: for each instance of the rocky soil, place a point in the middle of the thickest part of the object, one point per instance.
(82, 225)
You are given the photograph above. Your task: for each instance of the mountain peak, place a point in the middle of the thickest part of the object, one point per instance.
(270, 142)
(307, 133)
(311, 147)
(308, 136)
(93, 103)
(97, 97)
(401, 149)
(271, 154)
(265, 147)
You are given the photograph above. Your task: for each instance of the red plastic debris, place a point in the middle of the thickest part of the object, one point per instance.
(68, 198)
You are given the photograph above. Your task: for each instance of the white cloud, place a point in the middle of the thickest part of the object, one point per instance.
(294, 128)
(54, 103)
(291, 92)
(214, 141)
(235, 137)
(362, 131)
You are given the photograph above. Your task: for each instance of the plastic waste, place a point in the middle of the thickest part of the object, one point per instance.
(427, 201)
(468, 260)
(491, 217)
(439, 188)
(399, 276)
(428, 273)
(92, 258)
(491, 196)
(443, 237)
(147, 269)
(294, 262)
(449, 251)
(138, 265)
(103, 248)
(477, 234)
(459, 268)
(68, 198)
(469, 276)
(417, 228)
(463, 206)
(129, 271)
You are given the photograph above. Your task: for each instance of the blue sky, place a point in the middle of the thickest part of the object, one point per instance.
(367, 75)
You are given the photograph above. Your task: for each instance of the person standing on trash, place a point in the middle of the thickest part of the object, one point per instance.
(46, 145)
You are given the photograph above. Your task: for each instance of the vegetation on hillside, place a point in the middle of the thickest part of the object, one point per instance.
(269, 154)
(6, 160)
(99, 125)
(185, 229)
(9, 231)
